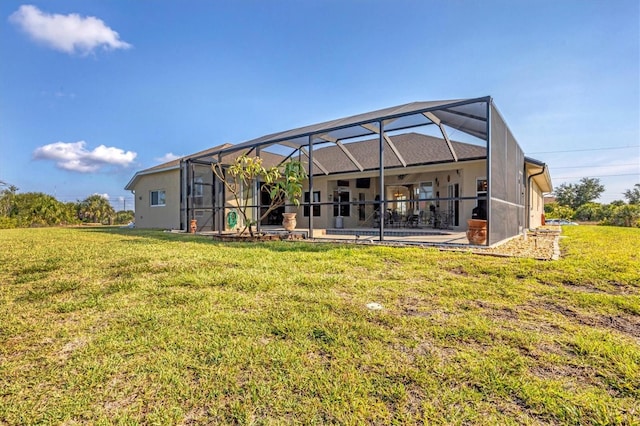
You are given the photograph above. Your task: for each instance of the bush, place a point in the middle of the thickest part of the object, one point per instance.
(627, 215)
(557, 211)
(589, 212)
(8, 223)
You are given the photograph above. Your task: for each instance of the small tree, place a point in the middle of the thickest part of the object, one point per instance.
(124, 217)
(7, 197)
(575, 195)
(36, 209)
(623, 215)
(281, 184)
(590, 212)
(633, 195)
(96, 208)
(556, 211)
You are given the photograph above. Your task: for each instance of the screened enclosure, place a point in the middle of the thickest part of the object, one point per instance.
(418, 168)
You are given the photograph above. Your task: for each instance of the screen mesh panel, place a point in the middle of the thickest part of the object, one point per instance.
(505, 185)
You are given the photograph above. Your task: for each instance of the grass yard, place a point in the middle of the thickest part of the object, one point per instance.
(119, 326)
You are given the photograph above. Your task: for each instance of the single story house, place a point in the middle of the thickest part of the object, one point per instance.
(420, 166)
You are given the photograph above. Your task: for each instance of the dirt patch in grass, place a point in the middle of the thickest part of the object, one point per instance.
(71, 347)
(112, 407)
(622, 324)
(582, 288)
(194, 416)
(501, 314)
(459, 270)
(620, 288)
(415, 307)
(553, 361)
(581, 373)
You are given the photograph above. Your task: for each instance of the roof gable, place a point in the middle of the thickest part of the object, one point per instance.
(173, 164)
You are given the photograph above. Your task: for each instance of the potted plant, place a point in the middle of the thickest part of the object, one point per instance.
(477, 231)
(283, 183)
(290, 187)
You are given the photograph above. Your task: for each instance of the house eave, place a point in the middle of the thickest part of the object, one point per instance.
(540, 172)
(131, 185)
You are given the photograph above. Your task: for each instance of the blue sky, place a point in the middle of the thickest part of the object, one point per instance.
(91, 91)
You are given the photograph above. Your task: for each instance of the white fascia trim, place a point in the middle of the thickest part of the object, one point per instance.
(135, 177)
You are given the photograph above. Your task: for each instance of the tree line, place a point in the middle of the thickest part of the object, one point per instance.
(30, 209)
(573, 202)
(577, 202)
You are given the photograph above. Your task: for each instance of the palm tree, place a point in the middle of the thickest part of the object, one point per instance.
(96, 208)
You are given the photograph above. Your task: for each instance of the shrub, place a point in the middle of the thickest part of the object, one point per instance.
(8, 223)
(556, 211)
(627, 215)
(589, 212)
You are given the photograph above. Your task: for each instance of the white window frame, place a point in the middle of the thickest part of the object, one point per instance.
(314, 207)
(423, 196)
(480, 193)
(158, 198)
(198, 187)
(338, 205)
(198, 191)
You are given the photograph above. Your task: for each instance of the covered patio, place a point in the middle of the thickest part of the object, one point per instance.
(410, 172)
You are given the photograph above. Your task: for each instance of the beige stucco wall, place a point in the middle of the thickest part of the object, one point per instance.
(464, 174)
(167, 216)
(536, 206)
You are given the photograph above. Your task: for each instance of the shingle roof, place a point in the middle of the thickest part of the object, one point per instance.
(415, 148)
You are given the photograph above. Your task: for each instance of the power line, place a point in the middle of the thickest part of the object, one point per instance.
(587, 149)
(579, 177)
(583, 167)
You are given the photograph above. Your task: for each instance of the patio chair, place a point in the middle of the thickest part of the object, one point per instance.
(395, 218)
(413, 219)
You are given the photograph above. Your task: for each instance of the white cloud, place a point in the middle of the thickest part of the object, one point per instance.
(169, 156)
(69, 33)
(105, 195)
(73, 156)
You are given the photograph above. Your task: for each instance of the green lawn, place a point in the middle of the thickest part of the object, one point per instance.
(102, 326)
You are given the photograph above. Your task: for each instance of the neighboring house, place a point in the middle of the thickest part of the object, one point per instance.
(372, 170)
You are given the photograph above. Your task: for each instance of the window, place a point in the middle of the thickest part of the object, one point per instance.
(157, 198)
(481, 186)
(198, 187)
(425, 192)
(481, 191)
(341, 206)
(316, 199)
(401, 205)
(198, 191)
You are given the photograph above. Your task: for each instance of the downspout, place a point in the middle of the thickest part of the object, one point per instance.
(529, 179)
(310, 184)
(257, 196)
(183, 207)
